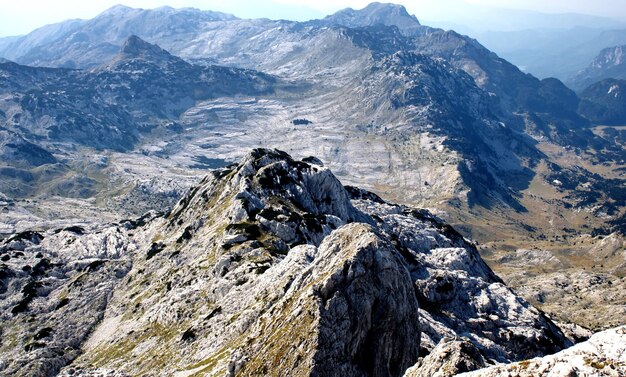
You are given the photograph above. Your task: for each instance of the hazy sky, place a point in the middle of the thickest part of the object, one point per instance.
(22, 16)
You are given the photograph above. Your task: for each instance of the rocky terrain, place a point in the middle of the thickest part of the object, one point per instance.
(421, 116)
(407, 104)
(54, 119)
(269, 266)
(602, 355)
(107, 107)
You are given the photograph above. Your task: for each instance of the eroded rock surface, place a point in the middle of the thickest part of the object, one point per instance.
(604, 354)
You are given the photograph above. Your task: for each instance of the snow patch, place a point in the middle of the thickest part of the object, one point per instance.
(614, 89)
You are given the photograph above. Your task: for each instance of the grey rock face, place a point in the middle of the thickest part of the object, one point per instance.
(610, 63)
(604, 354)
(373, 294)
(54, 288)
(449, 358)
(272, 267)
(450, 277)
(355, 313)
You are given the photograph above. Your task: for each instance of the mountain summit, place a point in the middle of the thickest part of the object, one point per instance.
(135, 50)
(135, 47)
(376, 14)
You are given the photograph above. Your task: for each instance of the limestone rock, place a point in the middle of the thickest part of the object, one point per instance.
(604, 354)
(449, 358)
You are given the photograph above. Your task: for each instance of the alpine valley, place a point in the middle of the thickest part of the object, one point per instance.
(183, 192)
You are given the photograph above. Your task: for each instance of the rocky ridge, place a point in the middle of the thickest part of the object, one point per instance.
(270, 266)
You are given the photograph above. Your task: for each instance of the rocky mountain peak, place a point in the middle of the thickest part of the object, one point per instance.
(267, 189)
(135, 47)
(136, 55)
(116, 10)
(610, 63)
(376, 14)
(611, 56)
(386, 10)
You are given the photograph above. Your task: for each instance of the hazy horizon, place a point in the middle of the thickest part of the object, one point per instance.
(18, 18)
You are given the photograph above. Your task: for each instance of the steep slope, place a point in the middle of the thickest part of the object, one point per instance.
(608, 64)
(492, 158)
(270, 266)
(541, 108)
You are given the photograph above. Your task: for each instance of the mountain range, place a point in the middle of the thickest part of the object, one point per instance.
(553, 52)
(102, 122)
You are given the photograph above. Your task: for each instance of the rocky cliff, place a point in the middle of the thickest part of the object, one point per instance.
(608, 64)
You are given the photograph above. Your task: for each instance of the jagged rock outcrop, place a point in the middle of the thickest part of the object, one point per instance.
(54, 288)
(604, 354)
(449, 358)
(267, 267)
